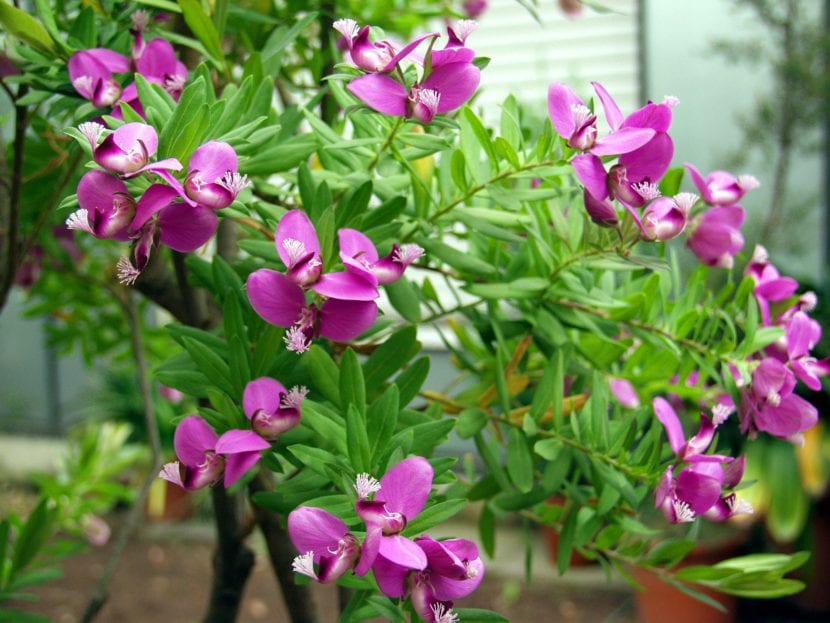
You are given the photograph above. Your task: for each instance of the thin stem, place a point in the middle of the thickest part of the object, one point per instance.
(386, 144)
(101, 593)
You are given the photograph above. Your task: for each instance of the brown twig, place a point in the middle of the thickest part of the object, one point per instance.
(101, 594)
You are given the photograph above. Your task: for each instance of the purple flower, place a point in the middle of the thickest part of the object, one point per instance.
(106, 206)
(360, 257)
(379, 56)
(271, 409)
(770, 286)
(204, 456)
(803, 333)
(716, 235)
(128, 149)
(665, 218)
(454, 570)
(697, 488)
(162, 216)
(456, 51)
(91, 72)
(475, 8)
(281, 302)
(720, 187)
(575, 122)
(770, 405)
(324, 540)
(398, 498)
(446, 88)
(624, 392)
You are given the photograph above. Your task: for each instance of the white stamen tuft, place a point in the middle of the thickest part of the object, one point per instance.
(773, 398)
(79, 220)
(581, 113)
(174, 84)
(739, 506)
(442, 614)
(464, 28)
(233, 182)
(365, 485)
(346, 27)
(470, 572)
(720, 413)
(127, 273)
(670, 100)
(646, 190)
(92, 130)
(295, 340)
(685, 201)
(304, 564)
(294, 398)
(295, 249)
(172, 473)
(748, 182)
(407, 254)
(807, 302)
(682, 512)
(430, 99)
(760, 255)
(140, 19)
(725, 261)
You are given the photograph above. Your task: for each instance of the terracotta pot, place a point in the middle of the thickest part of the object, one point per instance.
(168, 502)
(659, 602)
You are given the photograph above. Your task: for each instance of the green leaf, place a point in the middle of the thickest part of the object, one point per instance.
(210, 364)
(26, 28)
(404, 297)
(391, 356)
(526, 287)
(352, 386)
(464, 262)
(411, 380)
(331, 428)
(478, 615)
(519, 461)
(482, 136)
(566, 542)
(382, 420)
(201, 25)
(324, 373)
(33, 536)
(434, 515)
(357, 439)
(487, 530)
(470, 422)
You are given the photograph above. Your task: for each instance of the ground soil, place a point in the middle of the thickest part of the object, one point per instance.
(165, 581)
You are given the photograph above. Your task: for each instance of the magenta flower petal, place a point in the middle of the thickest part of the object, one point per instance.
(654, 116)
(622, 141)
(612, 112)
(381, 93)
(407, 50)
(405, 488)
(356, 244)
(192, 438)
(185, 228)
(668, 418)
(561, 100)
(345, 286)
(592, 174)
(262, 394)
(235, 441)
(277, 299)
(154, 199)
(157, 59)
(391, 577)
(236, 465)
(370, 549)
(698, 489)
(213, 159)
(402, 551)
(342, 321)
(130, 135)
(456, 82)
(624, 392)
(802, 335)
(313, 529)
(776, 289)
(651, 160)
(109, 206)
(295, 225)
(792, 416)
